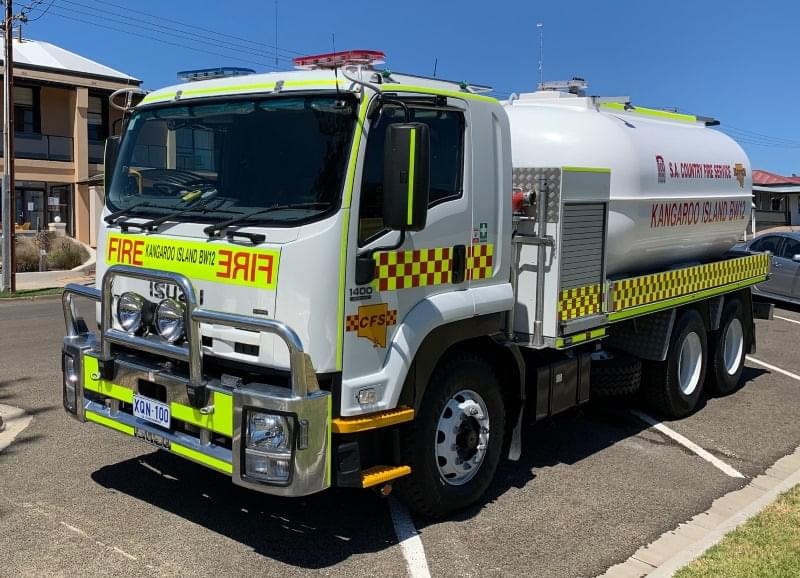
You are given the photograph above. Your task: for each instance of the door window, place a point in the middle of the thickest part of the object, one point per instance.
(446, 163)
(769, 243)
(791, 247)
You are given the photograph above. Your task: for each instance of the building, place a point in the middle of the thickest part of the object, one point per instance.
(61, 120)
(776, 198)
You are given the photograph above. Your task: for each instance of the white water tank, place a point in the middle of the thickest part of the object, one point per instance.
(680, 191)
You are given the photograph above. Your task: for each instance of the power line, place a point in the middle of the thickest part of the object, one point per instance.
(130, 21)
(195, 27)
(155, 38)
(35, 5)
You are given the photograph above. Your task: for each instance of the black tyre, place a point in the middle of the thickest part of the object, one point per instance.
(727, 350)
(615, 375)
(454, 444)
(673, 387)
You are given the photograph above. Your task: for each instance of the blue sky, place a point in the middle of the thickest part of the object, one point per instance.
(733, 60)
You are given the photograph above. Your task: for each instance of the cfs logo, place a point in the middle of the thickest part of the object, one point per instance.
(740, 173)
(371, 322)
(661, 168)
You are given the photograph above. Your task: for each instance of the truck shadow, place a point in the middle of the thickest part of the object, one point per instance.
(315, 532)
(322, 530)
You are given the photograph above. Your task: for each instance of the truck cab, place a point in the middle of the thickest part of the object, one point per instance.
(239, 325)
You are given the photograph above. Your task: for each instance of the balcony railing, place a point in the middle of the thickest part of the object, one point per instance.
(42, 147)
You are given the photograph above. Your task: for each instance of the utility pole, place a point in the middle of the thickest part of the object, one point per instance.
(540, 26)
(9, 276)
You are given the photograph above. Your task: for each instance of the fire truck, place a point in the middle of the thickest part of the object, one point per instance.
(343, 276)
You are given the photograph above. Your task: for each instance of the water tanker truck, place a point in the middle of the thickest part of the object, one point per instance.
(344, 276)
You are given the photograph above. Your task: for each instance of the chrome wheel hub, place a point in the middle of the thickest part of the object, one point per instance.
(733, 346)
(462, 437)
(690, 363)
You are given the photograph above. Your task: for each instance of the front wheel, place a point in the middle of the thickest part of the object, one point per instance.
(454, 444)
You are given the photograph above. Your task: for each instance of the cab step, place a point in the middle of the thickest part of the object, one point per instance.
(382, 474)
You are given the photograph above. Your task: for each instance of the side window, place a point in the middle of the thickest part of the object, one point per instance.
(791, 247)
(770, 243)
(447, 163)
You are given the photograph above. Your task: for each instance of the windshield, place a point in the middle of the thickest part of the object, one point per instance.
(225, 158)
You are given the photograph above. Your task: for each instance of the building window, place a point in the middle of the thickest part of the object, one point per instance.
(195, 149)
(776, 203)
(27, 118)
(96, 117)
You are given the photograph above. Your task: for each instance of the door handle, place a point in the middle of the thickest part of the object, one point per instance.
(459, 263)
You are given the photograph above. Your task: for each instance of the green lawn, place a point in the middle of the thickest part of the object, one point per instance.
(31, 293)
(768, 545)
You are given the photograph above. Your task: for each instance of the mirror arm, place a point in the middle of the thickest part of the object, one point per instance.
(365, 262)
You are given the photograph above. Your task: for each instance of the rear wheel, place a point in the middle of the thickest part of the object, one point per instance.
(728, 350)
(453, 445)
(614, 374)
(673, 387)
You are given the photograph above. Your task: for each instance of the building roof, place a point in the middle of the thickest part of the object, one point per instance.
(766, 178)
(43, 55)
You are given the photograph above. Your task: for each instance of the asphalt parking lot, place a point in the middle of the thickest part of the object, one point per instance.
(592, 486)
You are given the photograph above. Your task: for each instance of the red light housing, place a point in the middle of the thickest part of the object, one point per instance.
(338, 59)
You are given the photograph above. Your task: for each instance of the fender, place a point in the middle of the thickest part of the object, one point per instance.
(473, 305)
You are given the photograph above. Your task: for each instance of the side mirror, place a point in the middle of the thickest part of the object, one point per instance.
(796, 258)
(110, 159)
(406, 176)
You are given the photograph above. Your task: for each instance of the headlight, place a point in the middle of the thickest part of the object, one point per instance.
(170, 320)
(268, 447)
(267, 432)
(70, 382)
(131, 309)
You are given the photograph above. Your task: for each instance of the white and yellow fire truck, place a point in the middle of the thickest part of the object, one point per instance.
(344, 276)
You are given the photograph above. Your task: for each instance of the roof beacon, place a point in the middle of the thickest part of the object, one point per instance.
(333, 60)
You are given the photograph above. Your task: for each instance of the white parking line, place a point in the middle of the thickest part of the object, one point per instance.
(410, 543)
(773, 368)
(688, 444)
(787, 319)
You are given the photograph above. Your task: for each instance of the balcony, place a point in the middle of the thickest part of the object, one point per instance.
(42, 147)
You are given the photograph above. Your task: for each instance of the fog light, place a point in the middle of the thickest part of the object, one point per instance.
(266, 468)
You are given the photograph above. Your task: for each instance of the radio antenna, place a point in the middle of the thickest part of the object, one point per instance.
(540, 26)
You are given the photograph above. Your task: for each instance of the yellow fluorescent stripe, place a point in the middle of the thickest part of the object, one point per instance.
(102, 386)
(412, 151)
(110, 423)
(346, 200)
(347, 425)
(220, 421)
(252, 87)
(620, 107)
(437, 91)
(585, 170)
(201, 458)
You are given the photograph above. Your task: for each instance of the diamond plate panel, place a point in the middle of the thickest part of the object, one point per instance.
(527, 179)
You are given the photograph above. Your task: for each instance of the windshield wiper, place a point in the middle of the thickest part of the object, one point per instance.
(111, 219)
(212, 230)
(197, 204)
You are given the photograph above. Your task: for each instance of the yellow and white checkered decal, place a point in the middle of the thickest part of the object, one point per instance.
(580, 302)
(421, 267)
(648, 289)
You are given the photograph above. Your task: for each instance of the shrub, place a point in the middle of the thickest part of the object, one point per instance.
(27, 255)
(65, 253)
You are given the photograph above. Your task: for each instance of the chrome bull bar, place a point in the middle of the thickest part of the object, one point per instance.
(311, 407)
(303, 376)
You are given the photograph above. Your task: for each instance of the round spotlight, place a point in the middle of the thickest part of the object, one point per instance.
(170, 320)
(130, 311)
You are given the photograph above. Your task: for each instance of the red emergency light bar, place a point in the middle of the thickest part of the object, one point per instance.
(338, 59)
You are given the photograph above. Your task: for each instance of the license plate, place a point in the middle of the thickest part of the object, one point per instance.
(151, 410)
